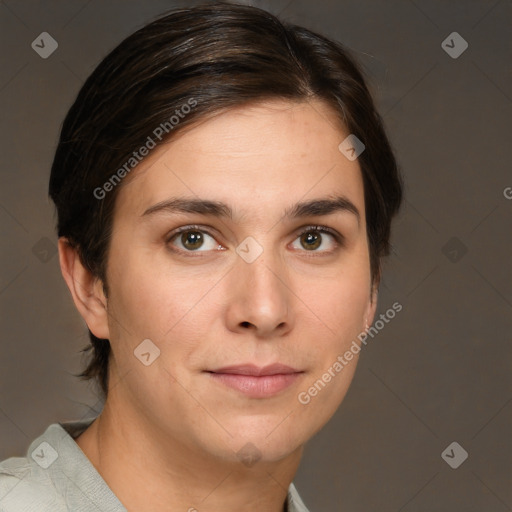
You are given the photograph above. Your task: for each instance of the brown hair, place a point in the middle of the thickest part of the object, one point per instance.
(222, 55)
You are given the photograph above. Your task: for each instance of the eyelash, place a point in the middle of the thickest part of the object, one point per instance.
(339, 239)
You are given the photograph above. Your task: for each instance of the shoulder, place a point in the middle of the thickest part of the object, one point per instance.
(25, 486)
(36, 482)
(55, 476)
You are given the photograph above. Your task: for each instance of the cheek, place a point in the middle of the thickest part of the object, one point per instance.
(341, 303)
(153, 300)
(136, 303)
(341, 310)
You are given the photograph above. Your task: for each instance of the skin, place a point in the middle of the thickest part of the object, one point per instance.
(168, 436)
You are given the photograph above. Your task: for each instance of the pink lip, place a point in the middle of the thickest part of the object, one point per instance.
(257, 382)
(251, 369)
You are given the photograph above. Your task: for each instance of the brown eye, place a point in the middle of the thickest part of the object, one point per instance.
(192, 239)
(313, 237)
(311, 240)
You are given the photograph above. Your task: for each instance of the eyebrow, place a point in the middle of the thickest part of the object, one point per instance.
(312, 208)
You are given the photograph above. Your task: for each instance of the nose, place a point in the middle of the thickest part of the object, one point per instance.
(259, 298)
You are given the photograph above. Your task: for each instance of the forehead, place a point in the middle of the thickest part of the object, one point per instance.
(252, 158)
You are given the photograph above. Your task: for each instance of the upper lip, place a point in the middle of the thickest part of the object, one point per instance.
(251, 369)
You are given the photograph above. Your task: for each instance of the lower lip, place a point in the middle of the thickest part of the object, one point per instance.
(254, 386)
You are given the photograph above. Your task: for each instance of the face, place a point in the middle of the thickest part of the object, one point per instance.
(257, 287)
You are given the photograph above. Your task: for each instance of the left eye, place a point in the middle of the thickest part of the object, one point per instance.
(312, 237)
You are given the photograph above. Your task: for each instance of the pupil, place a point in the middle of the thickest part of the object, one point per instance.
(312, 238)
(194, 237)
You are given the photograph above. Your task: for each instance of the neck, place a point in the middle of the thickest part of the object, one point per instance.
(149, 470)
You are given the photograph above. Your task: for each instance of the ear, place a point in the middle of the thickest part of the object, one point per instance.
(372, 304)
(86, 290)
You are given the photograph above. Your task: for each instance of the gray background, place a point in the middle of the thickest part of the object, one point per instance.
(439, 372)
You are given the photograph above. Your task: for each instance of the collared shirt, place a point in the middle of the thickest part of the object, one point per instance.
(57, 476)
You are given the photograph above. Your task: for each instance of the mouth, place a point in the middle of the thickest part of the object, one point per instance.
(255, 381)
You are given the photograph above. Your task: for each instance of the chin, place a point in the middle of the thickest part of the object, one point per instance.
(264, 440)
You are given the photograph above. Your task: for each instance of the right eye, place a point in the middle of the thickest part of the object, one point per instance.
(192, 238)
